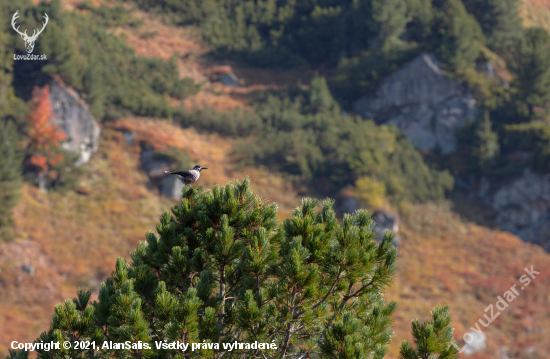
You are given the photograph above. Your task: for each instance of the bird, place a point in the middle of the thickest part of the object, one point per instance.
(188, 177)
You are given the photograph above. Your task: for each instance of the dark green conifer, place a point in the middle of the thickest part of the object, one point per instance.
(499, 21)
(458, 38)
(11, 160)
(432, 338)
(486, 145)
(391, 17)
(222, 269)
(531, 65)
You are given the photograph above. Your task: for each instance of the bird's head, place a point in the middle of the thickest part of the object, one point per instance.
(199, 168)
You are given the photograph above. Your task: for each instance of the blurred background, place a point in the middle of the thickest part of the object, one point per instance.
(432, 114)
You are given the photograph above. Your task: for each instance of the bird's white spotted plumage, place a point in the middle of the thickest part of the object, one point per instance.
(188, 177)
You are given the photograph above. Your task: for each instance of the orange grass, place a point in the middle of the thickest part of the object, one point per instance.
(73, 240)
(535, 13)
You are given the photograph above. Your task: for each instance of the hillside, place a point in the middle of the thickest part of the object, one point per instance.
(72, 240)
(535, 13)
(443, 259)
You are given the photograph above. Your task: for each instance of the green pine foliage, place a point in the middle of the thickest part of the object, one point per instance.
(532, 138)
(458, 38)
(308, 137)
(486, 145)
(11, 162)
(499, 21)
(433, 339)
(268, 32)
(479, 148)
(12, 113)
(11, 107)
(391, 17)
(223, 269)
(305, 135)
(531, 64)
(106, 71)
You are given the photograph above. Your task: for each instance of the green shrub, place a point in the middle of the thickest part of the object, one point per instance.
(532, 137)
(222, 269)
(307, 137)
(11, 168)
(106, 71)
(175, 157)
(234, 123)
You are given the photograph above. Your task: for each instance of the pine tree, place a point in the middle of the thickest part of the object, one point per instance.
(458, 38)
(391, 17)
(11, 107)
(10, 175)
(11, 112)
(531, 65)
(320, 98)
(431, 338)
(223, 269)
(485, 143)
(499, 21)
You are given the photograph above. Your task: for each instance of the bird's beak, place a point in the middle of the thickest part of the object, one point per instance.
(204, 168)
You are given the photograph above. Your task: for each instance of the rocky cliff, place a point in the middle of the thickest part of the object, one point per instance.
(75, 120)
(523, 206)
(425, 104)
(428, 107)
(155, 164)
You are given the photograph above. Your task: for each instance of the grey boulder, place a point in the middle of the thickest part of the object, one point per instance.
(424, 103)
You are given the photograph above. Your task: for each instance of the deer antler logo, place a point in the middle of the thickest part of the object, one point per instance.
(29, 40)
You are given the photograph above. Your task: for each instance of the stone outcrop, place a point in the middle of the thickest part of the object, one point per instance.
(426, 105)
(155, 165)
(385, 221)
(476, 342)
(230, 80)
(522, 206)
(75, 120)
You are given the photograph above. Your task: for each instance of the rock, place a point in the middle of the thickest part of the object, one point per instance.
(28, 268)
(155, 165)
(503, 353)
(385, 221)
(349, 204)
(523, 206)
(475, 342)
(230, 80)
(486, 67)
(128, 136)
(423, 103)
(75, 120)
(538, 233)
(171, 187)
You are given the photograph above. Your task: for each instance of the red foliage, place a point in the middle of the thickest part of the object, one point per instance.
(42, 132)
(40, 161)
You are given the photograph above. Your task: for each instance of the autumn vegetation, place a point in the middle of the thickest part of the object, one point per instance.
(288, 137)
(44, 135)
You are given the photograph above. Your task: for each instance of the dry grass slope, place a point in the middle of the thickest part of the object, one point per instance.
(535, 13)
(73, 240)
